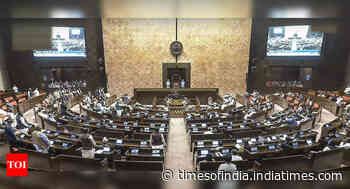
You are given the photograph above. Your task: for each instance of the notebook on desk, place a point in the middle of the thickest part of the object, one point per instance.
(226, 151)
(272, 147)
(204, 152)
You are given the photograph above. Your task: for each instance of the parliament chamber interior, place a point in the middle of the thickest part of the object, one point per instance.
(192, 94)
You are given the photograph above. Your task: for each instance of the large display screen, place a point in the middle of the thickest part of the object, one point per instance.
(65, 42)
(294, 41)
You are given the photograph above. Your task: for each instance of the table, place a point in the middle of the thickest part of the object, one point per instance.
(146, 95)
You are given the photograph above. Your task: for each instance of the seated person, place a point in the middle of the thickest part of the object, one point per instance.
(15, 89)
(344, 144)
(125, 99)
(291, 121)
(99, 107)
(29, 93)
(227, 166)
(157, 140)
(21, 122)
(88, 145)
(11, 136)
(40, 141)
(36, 92)
(63, 108)
(2, 130)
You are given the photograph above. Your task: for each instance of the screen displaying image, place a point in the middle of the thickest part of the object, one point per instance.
(226, 151)
(254, 149)
(65, 42)
(134, 151)
(294, 41)
(272, 147)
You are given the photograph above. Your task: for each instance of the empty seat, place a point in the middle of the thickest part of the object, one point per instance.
(13, 103)
(9, 99)
(21, 96)
(21, 100)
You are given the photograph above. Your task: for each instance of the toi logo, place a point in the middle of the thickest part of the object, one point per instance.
(17, 165)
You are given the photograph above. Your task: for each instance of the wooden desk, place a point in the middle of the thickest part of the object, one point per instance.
(146, 95)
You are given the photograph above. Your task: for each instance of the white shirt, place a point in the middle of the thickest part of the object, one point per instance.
(36, 92)
(15, 89)
(339, 100)
(3, 112)
(227, 167)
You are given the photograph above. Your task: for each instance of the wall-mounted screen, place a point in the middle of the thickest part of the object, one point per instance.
(65, 42)
(294, 41)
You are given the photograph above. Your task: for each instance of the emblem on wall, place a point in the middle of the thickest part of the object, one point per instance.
(176, 48)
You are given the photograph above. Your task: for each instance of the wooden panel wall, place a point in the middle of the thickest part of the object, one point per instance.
(135, 49)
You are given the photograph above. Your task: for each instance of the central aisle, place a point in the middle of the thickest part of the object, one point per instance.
(179, 156)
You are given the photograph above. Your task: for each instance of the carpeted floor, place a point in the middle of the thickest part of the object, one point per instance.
(277, 108)
(178, 156)
(4, 149)
(326, 116)
(76, 109)
(29, 116)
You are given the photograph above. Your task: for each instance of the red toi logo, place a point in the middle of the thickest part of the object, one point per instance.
(17, 165)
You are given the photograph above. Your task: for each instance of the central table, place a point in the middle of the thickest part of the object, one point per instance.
(146, 95)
